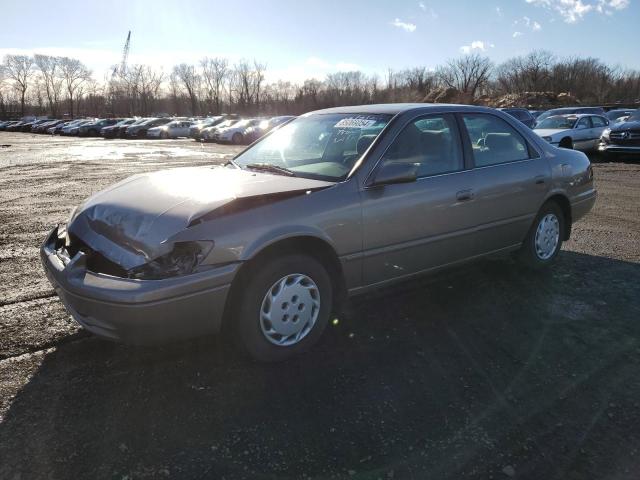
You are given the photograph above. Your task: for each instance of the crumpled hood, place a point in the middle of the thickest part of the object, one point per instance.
(133, 221)
(549, 132)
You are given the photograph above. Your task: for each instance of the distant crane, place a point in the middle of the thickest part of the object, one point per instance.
(125, 55)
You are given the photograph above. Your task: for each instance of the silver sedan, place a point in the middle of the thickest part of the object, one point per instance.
(335, 203)
(579, 132)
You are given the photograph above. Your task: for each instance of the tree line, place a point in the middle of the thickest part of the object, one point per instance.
(63, 86)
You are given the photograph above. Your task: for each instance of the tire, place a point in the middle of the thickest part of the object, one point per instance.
(142, 134)
(93, 133)
(535, 252)
(250, 322)
(164, 135)
(566, 143)
(237, 138)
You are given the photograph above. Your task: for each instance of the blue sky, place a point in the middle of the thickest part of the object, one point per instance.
(299, 39)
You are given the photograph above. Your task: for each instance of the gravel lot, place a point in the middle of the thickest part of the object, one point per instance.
(483, 372)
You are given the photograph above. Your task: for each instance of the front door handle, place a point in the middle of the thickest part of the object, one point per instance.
(464, 195)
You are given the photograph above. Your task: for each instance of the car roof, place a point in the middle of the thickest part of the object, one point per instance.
(395, 108)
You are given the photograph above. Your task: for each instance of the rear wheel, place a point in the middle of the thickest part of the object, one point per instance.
(284, 307)
(237, 138)
(544, 239)
(164, 135)
(93, 133)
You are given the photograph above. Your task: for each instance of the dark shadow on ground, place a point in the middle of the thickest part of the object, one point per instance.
(459, 375)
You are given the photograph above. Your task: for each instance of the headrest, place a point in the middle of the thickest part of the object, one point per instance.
(363, 143)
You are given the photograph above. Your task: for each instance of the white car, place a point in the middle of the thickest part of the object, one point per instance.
(236, 133)
(579, 132)
(208, 134)
(175, 129)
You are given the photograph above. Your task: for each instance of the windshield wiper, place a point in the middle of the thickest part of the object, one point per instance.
(268, 167)
(231, 162)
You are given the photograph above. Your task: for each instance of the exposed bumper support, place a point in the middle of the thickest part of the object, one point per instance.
(138, 311)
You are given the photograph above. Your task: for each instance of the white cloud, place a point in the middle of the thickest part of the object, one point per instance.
(529, 24)
(572, 11)
(499, 12)
(475, 45)
(516, 34)
(430, 11)
(409, 27)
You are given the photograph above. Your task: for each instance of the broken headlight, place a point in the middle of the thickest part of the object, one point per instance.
(182, 260)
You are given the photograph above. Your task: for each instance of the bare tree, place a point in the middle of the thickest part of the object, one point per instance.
(74, 74)
(52, 80)
(247, 80)
(215, 72)
(19, 69)
(468, 74)
(191, 81)
(143, 84)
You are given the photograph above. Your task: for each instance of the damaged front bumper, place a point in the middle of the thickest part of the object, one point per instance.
(137, 311)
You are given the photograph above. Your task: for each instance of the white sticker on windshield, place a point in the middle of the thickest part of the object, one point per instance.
(355, 123)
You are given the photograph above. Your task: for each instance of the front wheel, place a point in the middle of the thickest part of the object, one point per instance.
(544, 239)
(284, 307)
(237, 138)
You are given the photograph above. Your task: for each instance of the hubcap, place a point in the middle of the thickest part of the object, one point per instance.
(547, 236)
(289, 309)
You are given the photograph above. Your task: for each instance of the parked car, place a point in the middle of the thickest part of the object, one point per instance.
(265, 126)
(521, 114)
(568, 111)
(28, 126)
(207, 134)
(615, 115)
(579, 132)
(6, 126)
(235, 133)
(337, 202)
(74, 129)
(139, 129)
(16, 126)
(68, 124)
(622, 138)
(113, 131)
(196, 129)
(92, 129)
(174, 129)
(43, 127)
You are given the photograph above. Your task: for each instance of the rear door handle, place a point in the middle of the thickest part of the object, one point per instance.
(540, 179)
(464, 195)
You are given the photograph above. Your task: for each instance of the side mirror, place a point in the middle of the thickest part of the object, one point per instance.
(392, 172)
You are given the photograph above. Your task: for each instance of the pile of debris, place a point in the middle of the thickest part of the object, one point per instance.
(533, 100)
(539, 100)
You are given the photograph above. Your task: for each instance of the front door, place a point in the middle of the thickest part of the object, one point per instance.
(412, 227)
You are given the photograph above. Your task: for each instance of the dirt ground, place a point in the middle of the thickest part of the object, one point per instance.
(487, 371)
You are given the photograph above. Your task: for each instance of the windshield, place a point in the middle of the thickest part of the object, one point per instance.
(557, 122)
(550, 113)
(321, 146)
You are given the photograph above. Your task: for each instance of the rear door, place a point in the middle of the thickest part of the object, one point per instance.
(510, 181)
(599, 124)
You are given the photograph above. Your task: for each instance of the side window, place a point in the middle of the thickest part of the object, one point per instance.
(584, 122)
(493, 140)
(598, 122)
(431, 143)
